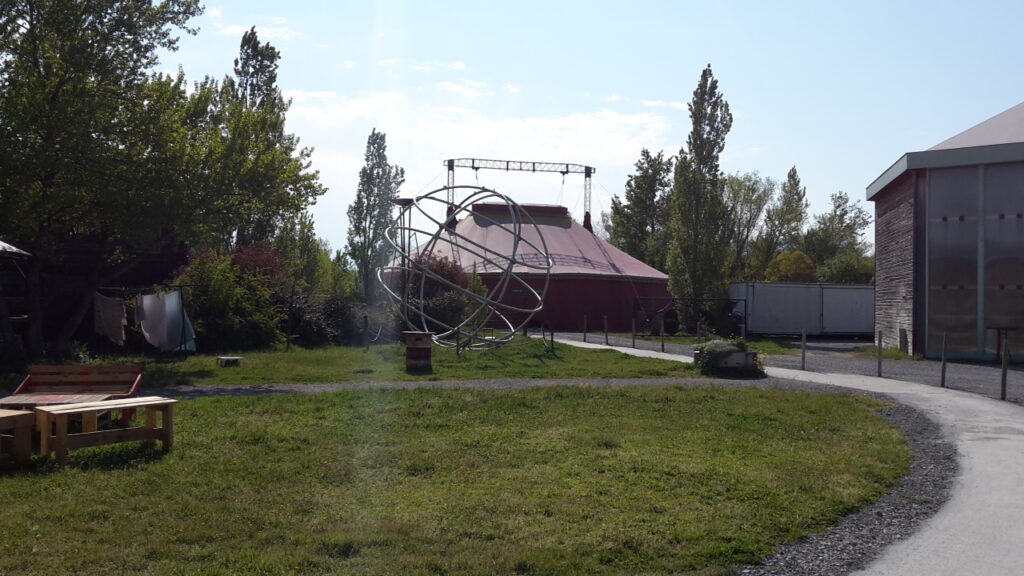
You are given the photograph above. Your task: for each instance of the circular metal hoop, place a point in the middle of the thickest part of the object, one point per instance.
(411, 282)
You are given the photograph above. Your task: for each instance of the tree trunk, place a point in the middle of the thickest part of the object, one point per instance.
(34, 305)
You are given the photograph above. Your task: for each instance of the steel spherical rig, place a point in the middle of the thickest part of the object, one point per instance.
(458, 287)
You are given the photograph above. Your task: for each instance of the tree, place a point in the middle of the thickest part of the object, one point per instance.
(90, 145)
(259, 175)
(783, 224)
(639, 224)
(747, 195)
(840, 229)
(848, 267)
(700, 216)
(370, 213)
(791, 266)
(106, 165)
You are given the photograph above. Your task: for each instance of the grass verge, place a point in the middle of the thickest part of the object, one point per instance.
(522, 358)
(560, 480)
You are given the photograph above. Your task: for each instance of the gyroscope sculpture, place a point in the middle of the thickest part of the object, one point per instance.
(483, 319)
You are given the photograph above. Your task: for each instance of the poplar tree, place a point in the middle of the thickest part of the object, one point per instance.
(370, 213)
(701, 219)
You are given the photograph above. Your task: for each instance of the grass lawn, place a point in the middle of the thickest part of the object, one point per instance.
(769, 347)
(560, 480)
(522, 358)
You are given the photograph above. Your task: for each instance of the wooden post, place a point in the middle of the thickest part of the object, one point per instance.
(803, 349)
(366, 332)
(584, 327)
(632, 328)
(661, 329)
(605, 330)
(942, 379)
(1005, 355)
(879, 354)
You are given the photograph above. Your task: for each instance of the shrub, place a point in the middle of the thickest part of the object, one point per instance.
(709, 356)
(230, 310)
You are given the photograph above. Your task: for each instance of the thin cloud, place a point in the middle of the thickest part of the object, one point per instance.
(665, 104)
(466, 88)
(614, 98)
(437, 65)
(387, 62)
(511, 88)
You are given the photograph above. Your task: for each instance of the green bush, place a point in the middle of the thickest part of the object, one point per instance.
(709, 355)
(230, 310)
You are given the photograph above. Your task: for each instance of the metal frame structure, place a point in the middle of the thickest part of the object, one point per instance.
(525, 166)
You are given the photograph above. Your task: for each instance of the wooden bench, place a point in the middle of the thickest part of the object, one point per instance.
(116, 381)
(52, 424)
(45, 385)
(17, 424)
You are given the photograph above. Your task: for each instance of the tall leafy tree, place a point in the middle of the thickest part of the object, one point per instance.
(639, 223)
(783, 225)
(841, 229)
(370, 213)
(700, 215)
(261, 177)
(89, 143)
(747, 195)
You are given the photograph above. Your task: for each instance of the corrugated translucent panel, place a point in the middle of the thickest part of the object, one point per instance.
(953, 260)
(1004, 254)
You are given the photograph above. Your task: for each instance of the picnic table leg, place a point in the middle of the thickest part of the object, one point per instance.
(89, 420)
(151, 424)
(43, 427)
(60, 443)
(168, 430)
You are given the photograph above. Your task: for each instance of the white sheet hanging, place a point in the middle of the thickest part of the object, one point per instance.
(165, 323)
(109, 318)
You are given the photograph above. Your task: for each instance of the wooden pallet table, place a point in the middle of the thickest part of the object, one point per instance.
(52, 423)
(18, 425)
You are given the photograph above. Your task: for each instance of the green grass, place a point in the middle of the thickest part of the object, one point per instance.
(551, 480)
(522, 358)
(871, 351)
(767, 347)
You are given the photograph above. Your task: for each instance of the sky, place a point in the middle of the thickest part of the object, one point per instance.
(840, 90)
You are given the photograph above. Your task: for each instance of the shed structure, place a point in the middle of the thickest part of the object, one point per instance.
(949, 244)
(589, 277)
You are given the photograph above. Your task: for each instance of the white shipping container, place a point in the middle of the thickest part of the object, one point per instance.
(818, 309)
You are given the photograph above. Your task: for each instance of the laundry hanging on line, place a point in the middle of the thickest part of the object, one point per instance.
(109, 318)
(164, 322)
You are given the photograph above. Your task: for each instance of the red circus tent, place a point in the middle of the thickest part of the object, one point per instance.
(589, 278)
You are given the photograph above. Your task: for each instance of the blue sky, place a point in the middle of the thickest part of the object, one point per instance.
(839, 90)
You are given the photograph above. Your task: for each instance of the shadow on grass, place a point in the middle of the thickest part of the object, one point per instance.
(158, 375)
(107, 458)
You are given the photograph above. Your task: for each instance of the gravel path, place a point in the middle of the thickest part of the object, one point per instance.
(850, 544)
(831, 356)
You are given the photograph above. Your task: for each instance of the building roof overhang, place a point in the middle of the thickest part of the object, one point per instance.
(947, 158)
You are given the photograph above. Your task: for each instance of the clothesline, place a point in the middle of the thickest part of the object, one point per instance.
(160, 315)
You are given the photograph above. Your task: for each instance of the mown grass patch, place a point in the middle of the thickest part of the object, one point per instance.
(522, 358)
(552, 480)
(871, 351)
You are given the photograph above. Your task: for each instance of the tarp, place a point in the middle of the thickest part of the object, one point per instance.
(8, 251)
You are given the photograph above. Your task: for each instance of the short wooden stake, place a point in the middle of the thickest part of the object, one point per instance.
(661, 329)
(803, 349)
(1005, 355)
(879, 354)
(942, 380)
(605, 330)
